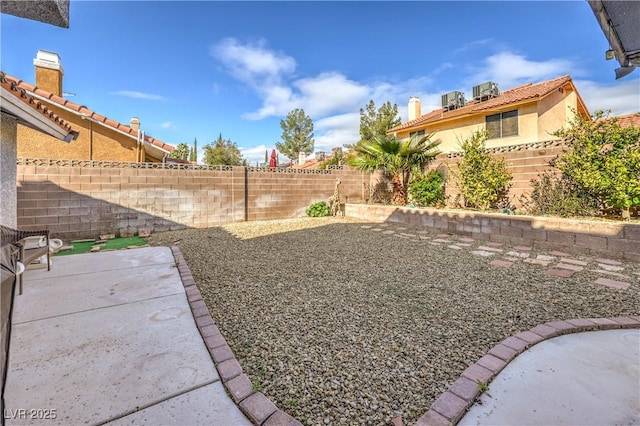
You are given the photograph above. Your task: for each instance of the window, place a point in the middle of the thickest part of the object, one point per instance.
(503, 124)
(416, 135)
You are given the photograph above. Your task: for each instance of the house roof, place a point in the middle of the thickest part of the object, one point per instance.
(629, 120)
(525, 93)
(54, 12)
(86, 112)
(309, 164)
(38, 111)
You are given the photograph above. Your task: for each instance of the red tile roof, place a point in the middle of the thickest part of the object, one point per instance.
(21, 94)
(309, 164)
(83, 110)
(629, 120)
(526, 92)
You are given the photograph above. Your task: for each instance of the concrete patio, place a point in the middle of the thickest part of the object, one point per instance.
(109, 338)
(590, 378)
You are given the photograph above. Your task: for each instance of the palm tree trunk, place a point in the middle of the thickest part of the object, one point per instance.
(399, 195)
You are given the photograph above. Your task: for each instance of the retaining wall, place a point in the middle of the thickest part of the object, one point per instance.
(619, 239)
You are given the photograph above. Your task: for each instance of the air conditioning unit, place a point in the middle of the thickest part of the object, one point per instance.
(453, 100)
(486, 90)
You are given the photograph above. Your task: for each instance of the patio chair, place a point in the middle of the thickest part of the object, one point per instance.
(27, 252)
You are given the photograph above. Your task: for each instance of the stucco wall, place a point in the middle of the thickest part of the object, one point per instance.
(8, 193)
(552, 112)
(450, 133)
(95, 142)
(49, 80)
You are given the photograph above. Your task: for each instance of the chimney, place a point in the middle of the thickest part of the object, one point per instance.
(134, 123)
(301, 158)
(414, 108)
(49, 72)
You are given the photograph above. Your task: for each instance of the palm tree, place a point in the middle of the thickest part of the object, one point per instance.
(396, 158)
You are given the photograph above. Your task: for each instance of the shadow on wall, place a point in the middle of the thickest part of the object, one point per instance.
(598, 237)
(79, 202)
(100, 206)
(71, 215)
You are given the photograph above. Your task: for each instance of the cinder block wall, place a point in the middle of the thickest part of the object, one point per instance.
(82, 202)
(281, 194)
(605, 238)
(525, 162)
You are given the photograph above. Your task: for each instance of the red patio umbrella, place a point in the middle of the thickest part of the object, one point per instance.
(273, 162)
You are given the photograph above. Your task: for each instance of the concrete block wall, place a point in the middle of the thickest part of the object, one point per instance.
(281, 194)
(524, 164)
(84, 201)
(79, 202)
(619, 239)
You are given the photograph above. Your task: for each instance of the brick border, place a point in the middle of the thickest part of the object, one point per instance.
(451, 406)
(447, 410)
(255, 405)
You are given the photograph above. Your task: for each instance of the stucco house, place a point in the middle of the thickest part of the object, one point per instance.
(99, 138)
(19, 109)
(524, 114)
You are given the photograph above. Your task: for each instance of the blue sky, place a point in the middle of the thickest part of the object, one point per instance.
(196, 69)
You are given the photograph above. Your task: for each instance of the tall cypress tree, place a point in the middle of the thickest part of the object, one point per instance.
(194, 151)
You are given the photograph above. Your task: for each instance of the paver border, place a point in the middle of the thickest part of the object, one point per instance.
(259, 409)
(447, 410)
(451, 406)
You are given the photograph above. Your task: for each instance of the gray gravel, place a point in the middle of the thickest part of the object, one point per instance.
(343, 325)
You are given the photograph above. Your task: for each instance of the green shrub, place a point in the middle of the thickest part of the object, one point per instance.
(553, 195)
(483, 180)
(319, 209)
(427, 191)
(603, 159)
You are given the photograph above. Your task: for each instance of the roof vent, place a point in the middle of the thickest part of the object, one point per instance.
(485, 91)
(453, 100)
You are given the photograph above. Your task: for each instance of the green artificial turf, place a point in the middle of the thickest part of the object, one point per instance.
(113, 244)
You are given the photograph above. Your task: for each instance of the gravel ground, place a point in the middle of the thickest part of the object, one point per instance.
(341, 325)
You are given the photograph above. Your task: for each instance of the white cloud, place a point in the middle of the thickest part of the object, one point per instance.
(620, 97)
(168, 125)
(336, 131)
(253, 63)
(470, 45)
(256, 154)
(139, 95)
(277, 100)
(509, 70)
(333, 100)
(328, 93)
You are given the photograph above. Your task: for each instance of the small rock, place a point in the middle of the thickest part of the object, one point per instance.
(144, 232)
